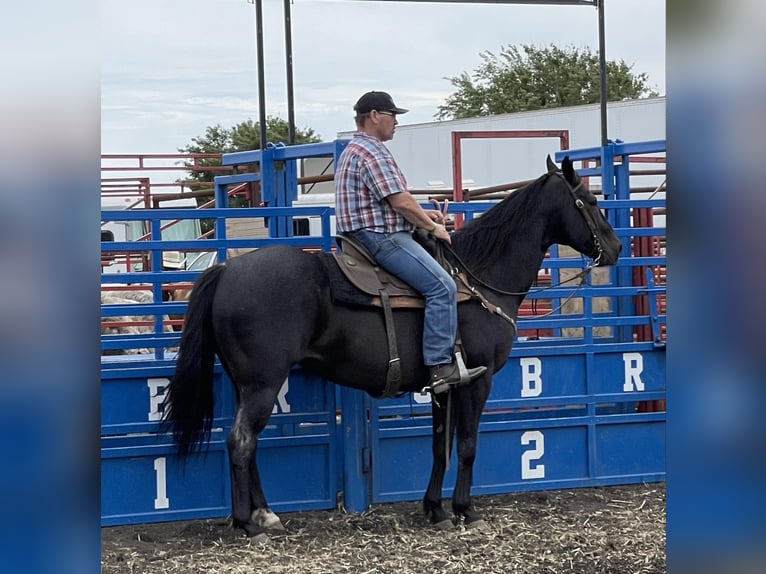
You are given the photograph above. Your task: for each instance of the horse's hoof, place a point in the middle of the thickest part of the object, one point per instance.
(478, 525)
(260, 539)
(265, 518)
(445, 525)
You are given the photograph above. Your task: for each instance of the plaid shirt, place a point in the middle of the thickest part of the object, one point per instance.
(365, 175)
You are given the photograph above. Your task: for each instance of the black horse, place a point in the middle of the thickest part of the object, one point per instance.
(271, 308)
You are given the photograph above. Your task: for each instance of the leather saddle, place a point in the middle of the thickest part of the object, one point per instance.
(361, 269)
(382, 289)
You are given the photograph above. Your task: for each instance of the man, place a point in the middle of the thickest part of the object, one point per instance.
(374, 207)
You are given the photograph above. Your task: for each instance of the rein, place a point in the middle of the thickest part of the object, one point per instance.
(581, 275)
(499, 291)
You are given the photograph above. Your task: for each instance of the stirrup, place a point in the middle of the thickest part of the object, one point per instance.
(465, 376)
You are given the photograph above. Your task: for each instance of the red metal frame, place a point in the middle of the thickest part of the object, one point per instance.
(529, 308)
(457, 156)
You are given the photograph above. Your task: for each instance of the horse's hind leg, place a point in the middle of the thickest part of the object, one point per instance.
(432, 501)
(249, 507)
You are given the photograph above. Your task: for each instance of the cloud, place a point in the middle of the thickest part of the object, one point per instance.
(196, 59)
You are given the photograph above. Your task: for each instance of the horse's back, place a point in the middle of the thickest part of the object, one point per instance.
(273, 274)
(273, 259)
(271, 297)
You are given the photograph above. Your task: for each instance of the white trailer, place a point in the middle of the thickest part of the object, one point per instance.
(424, 151)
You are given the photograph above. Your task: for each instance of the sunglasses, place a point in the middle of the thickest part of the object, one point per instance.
(392, 114)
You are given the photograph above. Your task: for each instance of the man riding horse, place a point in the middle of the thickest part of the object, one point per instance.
(374, 208)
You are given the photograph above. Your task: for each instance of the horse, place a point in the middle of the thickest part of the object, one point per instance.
(269, 309)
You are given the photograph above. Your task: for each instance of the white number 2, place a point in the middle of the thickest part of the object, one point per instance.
(162, 500)
(537, 451)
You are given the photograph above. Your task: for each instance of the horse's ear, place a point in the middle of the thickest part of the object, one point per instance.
(568, 168)
(551, 165)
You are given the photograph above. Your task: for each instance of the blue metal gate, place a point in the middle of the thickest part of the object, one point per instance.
(545, 426)
(563, 411)
(143, 480)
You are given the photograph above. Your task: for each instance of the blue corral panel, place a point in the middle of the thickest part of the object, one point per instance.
(540, 455)
(401, 463)
(131, 399)
(142, 480)
(298, 452)
(552, 421)
(635, 449)
(298, 475)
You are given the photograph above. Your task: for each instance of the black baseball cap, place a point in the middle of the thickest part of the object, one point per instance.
(380, 101)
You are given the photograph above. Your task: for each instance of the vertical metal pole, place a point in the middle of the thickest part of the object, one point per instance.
(356, 479)
(602, 70)
(221, 200)
(289, 69)
(457, 175)
(261, 73)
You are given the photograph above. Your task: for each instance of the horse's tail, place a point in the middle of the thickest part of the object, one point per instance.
(188, 406)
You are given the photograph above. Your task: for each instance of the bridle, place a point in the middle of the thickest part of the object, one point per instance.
(580, 204)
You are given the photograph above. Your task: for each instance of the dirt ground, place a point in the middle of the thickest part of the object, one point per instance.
(606, 530)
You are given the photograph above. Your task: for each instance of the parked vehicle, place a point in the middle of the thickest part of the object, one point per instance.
(137, 230)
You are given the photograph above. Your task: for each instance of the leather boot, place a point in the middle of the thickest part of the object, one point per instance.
(448, 375)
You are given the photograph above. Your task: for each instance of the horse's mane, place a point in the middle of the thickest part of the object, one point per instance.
(485, 239)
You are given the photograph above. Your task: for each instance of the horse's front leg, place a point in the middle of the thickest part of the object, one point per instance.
(432, 501)
(469, 403)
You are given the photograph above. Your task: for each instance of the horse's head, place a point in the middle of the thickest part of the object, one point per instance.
(583, 227)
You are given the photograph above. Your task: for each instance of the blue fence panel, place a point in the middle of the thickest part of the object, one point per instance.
(142, 480)
(546, 425)
(297, 452)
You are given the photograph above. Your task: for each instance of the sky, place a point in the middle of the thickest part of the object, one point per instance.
(171, 68)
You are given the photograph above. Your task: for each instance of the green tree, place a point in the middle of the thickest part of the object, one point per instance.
(531, 78)
(243, 136)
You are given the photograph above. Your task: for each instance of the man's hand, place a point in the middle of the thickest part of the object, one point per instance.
(441, 233)
(410, 209)
(435, 215)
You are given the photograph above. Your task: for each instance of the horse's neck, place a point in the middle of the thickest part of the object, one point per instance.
(516, 269)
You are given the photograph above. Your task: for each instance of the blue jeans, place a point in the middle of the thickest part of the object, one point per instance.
(401, 255)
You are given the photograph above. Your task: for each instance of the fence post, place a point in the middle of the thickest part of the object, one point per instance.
(621, 190)
(356, 472)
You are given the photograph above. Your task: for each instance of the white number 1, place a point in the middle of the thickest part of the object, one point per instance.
(535, 453)
(162, 500)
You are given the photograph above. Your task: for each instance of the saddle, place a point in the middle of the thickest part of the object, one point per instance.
(361, 269)
(382, 289)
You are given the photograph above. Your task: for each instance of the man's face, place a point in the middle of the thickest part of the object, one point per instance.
(385, 123)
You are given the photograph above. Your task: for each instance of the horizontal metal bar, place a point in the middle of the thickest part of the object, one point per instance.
(213, 212)
(560, 346)
(236, 178)
(619, 149)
